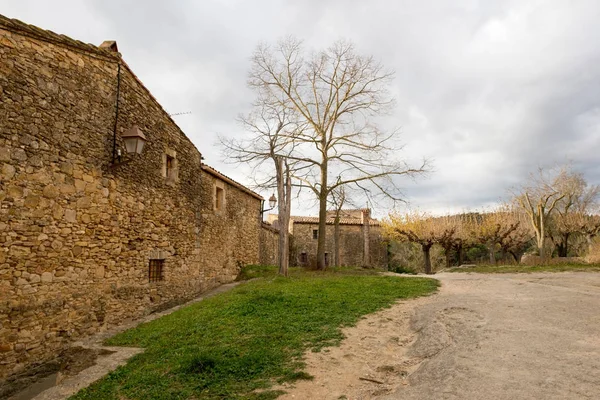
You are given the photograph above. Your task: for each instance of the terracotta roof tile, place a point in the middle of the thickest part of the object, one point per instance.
(343, 221)
(227, 179)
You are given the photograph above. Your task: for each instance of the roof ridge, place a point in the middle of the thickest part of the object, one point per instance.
(13, 24)
(211, 170)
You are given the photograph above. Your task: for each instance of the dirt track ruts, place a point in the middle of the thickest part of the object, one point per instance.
(483, 336)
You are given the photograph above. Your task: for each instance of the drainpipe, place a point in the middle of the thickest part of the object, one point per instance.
(114, 150)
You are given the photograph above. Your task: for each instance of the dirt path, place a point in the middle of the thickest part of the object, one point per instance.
(517, 336)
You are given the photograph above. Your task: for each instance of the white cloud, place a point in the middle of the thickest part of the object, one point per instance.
(488, 90)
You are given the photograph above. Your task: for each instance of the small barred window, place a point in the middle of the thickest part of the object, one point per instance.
(155, 271)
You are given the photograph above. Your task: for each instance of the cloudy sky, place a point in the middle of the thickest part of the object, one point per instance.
(488, 90)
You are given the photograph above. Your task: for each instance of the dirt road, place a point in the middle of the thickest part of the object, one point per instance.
(517, 336)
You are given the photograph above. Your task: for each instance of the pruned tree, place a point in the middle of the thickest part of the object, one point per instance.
(336, 93)
(492, 229)
(463, 238)
(446, 229)
(585, 224)
(271, 126)
(538, 198)
(414, 227)
(518, 239)
(578, 200)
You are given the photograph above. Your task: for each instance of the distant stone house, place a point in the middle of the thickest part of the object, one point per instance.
(91, 236)
(361, 243)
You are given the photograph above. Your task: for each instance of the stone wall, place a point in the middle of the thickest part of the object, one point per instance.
(76, 234)
(269, 245)
(351, 245)
(229, 236)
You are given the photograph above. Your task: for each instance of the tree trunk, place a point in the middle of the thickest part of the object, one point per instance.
(459, 255)
(322, 226)
(541, 247)
(447, 252)
(336, 239)
(563, 245)
(491, 249)
(502, 254)
(284, 189)
(590, 241)
(427, 258)
(542, 234)
(517, 255)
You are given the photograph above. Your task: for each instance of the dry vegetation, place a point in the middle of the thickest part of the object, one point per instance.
(553, 215)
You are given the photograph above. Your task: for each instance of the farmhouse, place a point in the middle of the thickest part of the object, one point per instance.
(107, 211)
(360, 241)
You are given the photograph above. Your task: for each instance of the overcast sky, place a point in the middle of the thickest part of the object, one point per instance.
(488, 90)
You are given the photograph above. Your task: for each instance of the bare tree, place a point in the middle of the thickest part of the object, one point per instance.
(272, 127)
(519, 237)
(463, 238)
(578, 200)
(589, 227)
(416, 228)
(336, 93)
(446, 228)
(538, 198)
(492, 229)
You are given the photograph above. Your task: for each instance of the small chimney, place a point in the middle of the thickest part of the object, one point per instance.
(365, 216)
(110, 45)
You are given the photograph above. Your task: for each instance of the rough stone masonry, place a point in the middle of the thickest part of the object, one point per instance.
(85, 244)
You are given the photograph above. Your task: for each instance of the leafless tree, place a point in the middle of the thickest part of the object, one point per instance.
(579, 199)
(272, 127)
(414, 227)
(538, 198)
(446, 234)
(518, 238)
(336, 93)
(492, 229)
(553, 198)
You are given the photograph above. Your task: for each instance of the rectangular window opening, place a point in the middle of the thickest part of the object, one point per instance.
(315, 233)
(326, 259)
(155, 271)
(170, 166)
(219, 194)
(303, 258)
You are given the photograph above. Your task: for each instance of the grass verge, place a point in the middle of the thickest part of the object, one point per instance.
(504, 269)
(236, 345)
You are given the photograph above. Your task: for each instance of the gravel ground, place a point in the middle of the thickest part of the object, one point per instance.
(483, 336)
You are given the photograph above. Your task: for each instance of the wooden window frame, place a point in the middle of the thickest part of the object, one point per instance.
(315, 233)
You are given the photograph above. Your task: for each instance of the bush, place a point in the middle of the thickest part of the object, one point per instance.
(399, 269)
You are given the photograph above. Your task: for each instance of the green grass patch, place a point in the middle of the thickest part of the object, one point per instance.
(271, 271)
(504, 269)
(237, 344)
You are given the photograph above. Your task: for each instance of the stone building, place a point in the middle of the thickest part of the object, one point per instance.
(360, 240)
(91, 236)
(269, 244)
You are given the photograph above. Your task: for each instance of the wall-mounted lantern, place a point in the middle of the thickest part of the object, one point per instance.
(134, 140)
(272, 203)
